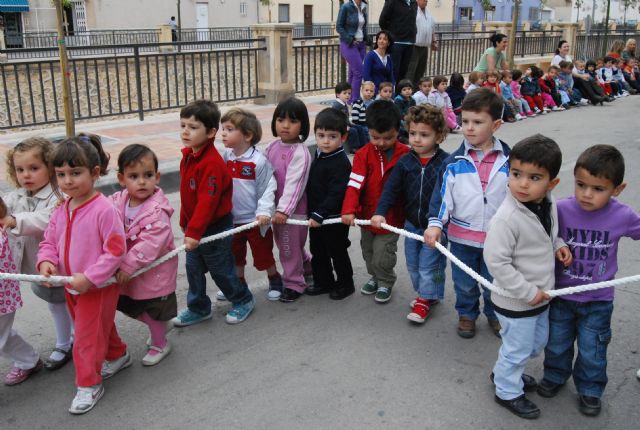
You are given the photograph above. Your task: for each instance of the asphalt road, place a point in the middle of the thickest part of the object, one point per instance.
(354, 364)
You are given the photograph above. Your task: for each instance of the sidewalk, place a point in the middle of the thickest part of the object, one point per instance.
(161, 132)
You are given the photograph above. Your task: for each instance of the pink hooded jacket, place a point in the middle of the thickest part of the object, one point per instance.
(91, 240)
(149, 237)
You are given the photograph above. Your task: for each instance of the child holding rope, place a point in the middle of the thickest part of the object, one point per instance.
(85, 239)
(146, 213)
(29, 208)
(413, 181)
(592, 224)
(519, 253)
(470, 188)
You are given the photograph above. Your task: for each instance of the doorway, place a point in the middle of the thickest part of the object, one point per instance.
(13, 29)
(308, 20)
(202, 20)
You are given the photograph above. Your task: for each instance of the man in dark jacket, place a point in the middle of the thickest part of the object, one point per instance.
(398, 17)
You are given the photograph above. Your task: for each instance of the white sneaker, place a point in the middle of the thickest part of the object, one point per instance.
(152, 360)
(625, 93)
(220, 296)
(110, 368)
(273, 295)
(544, 112)
(85, 399)
(518, 117)
(584, 102)
(638, 374)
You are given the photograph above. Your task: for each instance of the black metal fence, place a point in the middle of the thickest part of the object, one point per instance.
(593, 45)
(31, 92)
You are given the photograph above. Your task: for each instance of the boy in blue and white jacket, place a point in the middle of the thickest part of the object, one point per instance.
(471, 187)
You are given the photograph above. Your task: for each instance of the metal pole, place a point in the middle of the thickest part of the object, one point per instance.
(179, 23)
(69, 120)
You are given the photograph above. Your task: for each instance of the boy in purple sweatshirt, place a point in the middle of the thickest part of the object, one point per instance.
(591, 223)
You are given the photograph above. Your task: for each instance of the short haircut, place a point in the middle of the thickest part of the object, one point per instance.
(383, 115)
(553, 67)
(205, 111)
(506, 74)
(367, 84)
(604, 161)
(608, 59)
(456, 80)
(404, 84)
(475, 75)
(245, 121)
(292, 108)
(564, 64)
(483, 100)
(423, 80)
(496, 74)
(385, 85)
(43, 148)
(438, 80)
(132, 154)
(429, 115)
(516, 74)
(590, 63)
(536, 72)
(540, 151)
(342, 86)
(579, 63)
(331, 119)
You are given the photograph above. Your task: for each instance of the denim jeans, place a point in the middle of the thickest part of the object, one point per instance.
(590, 324)
(522, 339)
(466, 288)
(217, 259)
(353, 54)
(426, 266)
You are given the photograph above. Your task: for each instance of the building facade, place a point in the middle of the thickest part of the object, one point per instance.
(471, 10)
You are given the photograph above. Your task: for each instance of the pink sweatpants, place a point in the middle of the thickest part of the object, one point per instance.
(295, 260)
(450, 118)
(548, 100)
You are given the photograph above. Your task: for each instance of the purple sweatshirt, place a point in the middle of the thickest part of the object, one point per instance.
(593, 238)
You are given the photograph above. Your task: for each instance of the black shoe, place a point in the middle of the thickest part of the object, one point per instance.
(530, 382)
(289, 295)
(50, 364)
(316, 290)
(548, 389)
(341, 293)
(521, 406)
(589, 406)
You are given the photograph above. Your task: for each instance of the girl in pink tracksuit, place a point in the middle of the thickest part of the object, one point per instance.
(291, 161)
(146, 215)
(85, 239)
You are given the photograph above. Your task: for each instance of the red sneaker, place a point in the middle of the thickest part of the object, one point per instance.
(420, 311)
(17, 376)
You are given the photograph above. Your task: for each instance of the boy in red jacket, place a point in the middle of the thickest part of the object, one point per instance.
(205, 209)
(372, 166)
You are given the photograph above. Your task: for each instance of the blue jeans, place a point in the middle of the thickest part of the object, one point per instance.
(217, 259)
(425, 265)
(522, 339)
(466, 288)
(590, 324)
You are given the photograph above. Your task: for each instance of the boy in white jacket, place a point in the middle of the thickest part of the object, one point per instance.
(519, 253)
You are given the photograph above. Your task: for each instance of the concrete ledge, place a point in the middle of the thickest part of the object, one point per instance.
(523, 63)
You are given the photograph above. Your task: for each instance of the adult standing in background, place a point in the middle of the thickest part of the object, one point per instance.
(174, 29)
(425, 26)
(398, 17)
(352, 28)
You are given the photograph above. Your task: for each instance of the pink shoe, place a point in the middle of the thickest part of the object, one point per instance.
(17, 376)
(531, 114)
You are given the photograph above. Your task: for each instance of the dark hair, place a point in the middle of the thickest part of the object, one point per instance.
(342, 86)
(438, 80)
(389, 38)
(603, 161)
(536, 72)
(497, 38)
(540, 151)
(483, 100)
(205, 111)
(84, 150)
(516, 74)
(383, 115)
(506, 74)
(608, 59)
(385, 84)
(429, 115)
(403, 84)
(132, 154)
(456, 81)
(590, 63)
(331, 119)
(423, 80)
(562, 42)
(564, 64)
(292, 108)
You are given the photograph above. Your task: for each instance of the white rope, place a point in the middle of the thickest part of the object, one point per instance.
(61, 280)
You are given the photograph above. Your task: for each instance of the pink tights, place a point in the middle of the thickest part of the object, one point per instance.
(157, 330)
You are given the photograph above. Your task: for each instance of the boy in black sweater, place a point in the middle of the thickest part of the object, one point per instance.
(326, 187)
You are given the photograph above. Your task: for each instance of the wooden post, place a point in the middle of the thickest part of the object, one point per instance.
(69, 120)
(511, 48)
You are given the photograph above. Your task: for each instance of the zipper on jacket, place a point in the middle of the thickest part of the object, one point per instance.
(420, 201)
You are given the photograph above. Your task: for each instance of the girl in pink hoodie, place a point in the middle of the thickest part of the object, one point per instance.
(85, 240)
(146, 213)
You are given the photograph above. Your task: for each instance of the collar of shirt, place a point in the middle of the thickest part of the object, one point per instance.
(497, 146)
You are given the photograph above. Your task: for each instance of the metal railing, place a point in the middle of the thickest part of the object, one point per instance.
(317, 65)
(592, 45)
(31, 92)
(530, 43)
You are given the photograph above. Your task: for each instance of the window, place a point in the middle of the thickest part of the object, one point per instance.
(534, 13)
(243, 8)
(466, 14)
(283, 13)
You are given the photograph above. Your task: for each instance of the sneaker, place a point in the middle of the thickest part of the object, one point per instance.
(383, 295)
(537, 110)
(289, 295)
(85, 399)
(638, 374)
(624, 94)
(240, 312)
(420, 311)
(308, 279)
(432, 303)
(274, 295)
(220, 296)
(371, 287)
(275, 289)
(456, 129)
(519, 117)
(557, 109)
(158, 354)
(531, 114)
(584, 102)
(544, 112)
(187, 317)
(546, 109)
(110, 368)
(17, 376)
